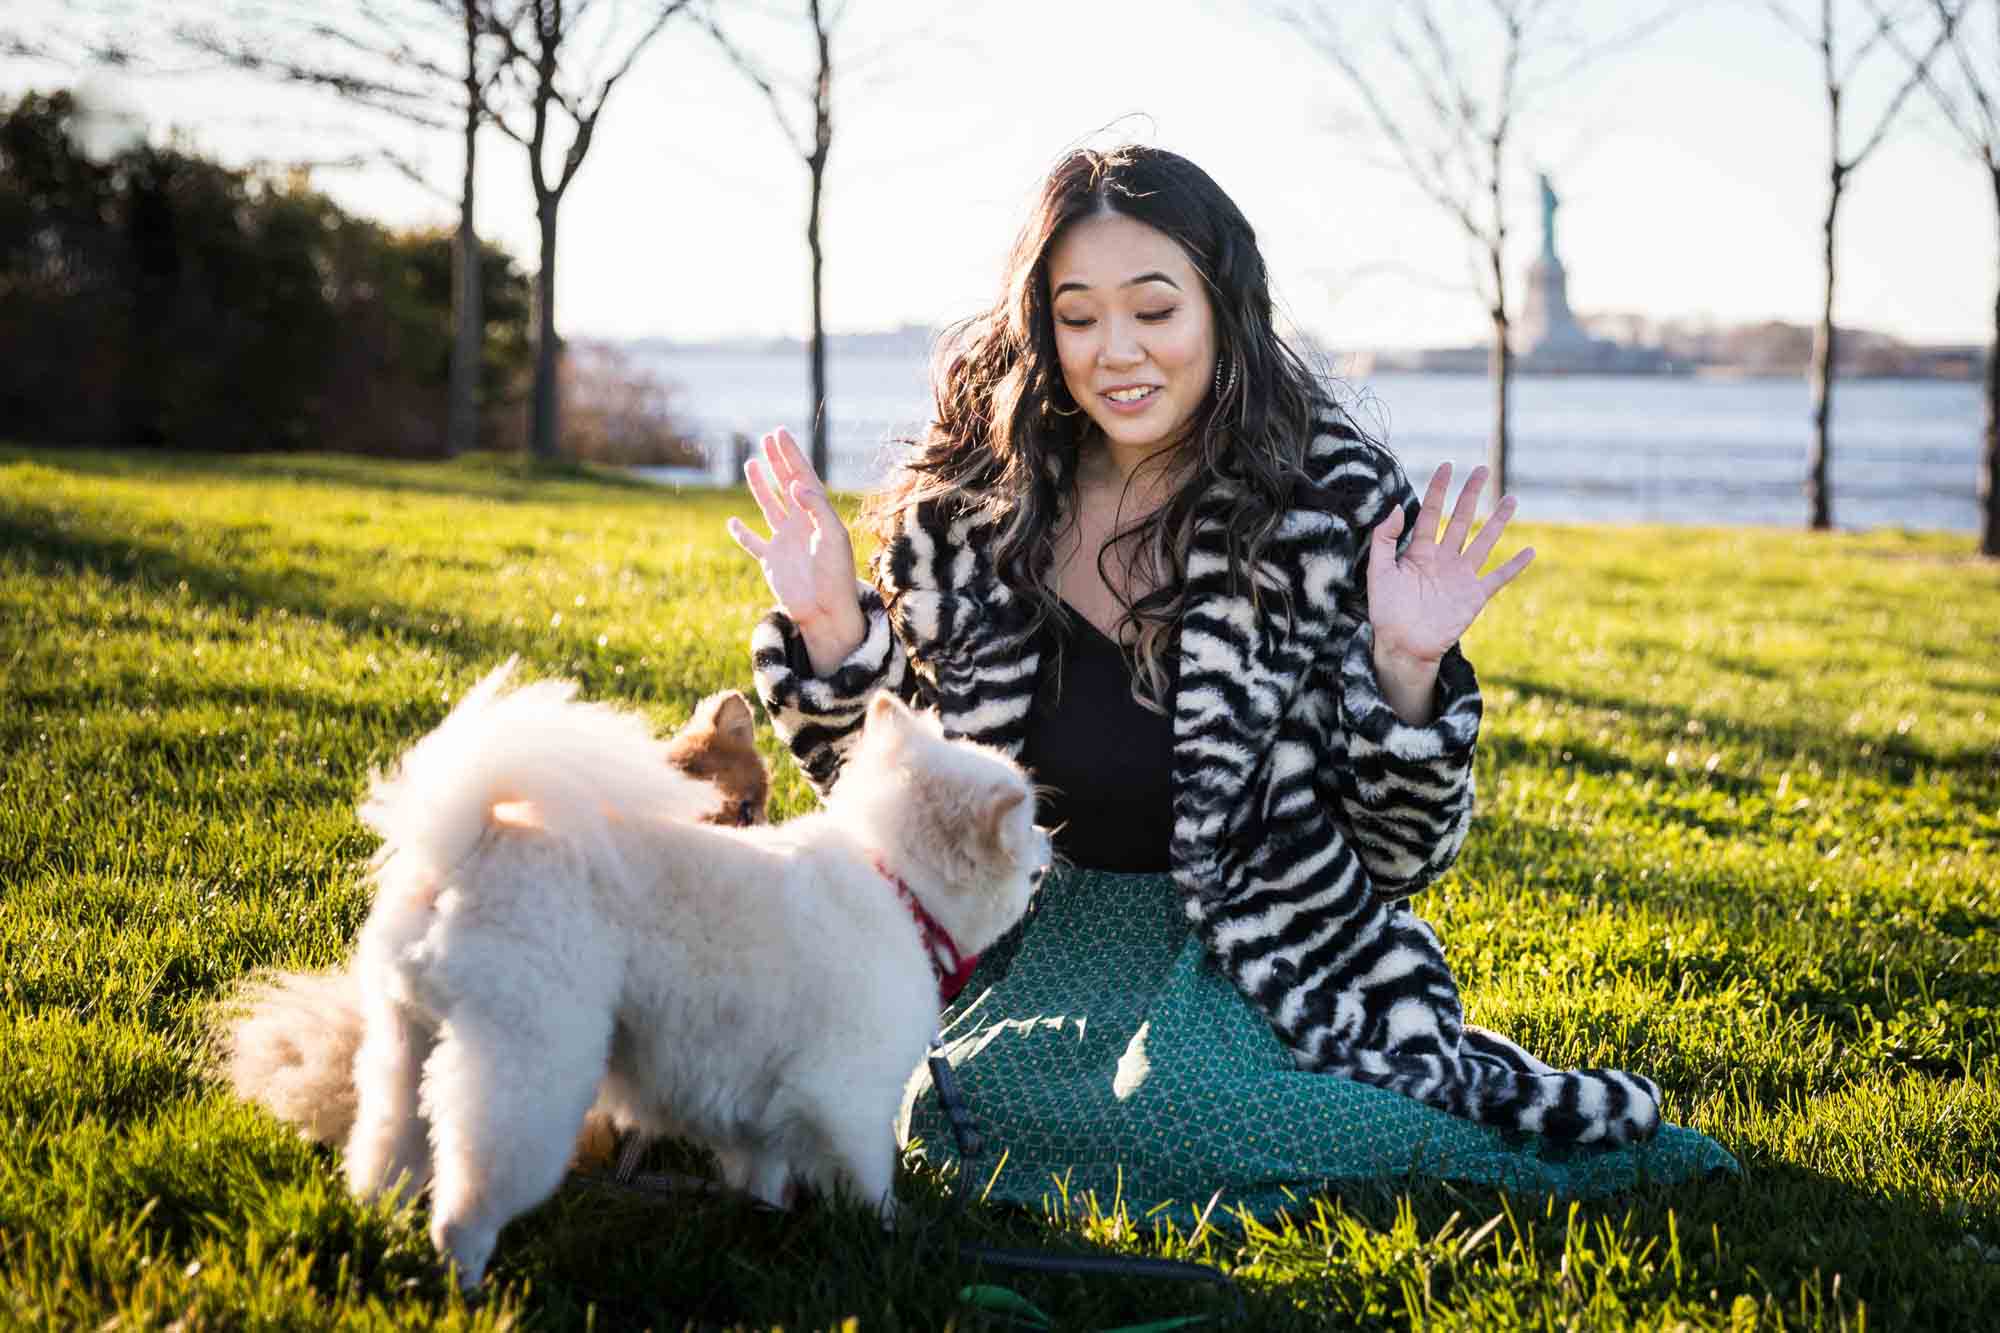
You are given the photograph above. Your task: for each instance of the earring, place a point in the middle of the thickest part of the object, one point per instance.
(1070, 411)
(1222, 385)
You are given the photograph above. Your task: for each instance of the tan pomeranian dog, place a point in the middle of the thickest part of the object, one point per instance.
(287, 1040)
(765, 991)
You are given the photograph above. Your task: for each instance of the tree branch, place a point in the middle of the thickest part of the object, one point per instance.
(1982, 138)
(1978, 139)
(1783, 13)
(1431, 183)
(1989, 119)
(403, 101)
(632, 54)
(532, 71)
(1946, 26)
(408, 170)
(751, 70)
(1450, 100)
(1882, 28)
(1590, 55)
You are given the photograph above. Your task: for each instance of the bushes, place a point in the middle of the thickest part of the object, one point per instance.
(616, 411)
(161, 299)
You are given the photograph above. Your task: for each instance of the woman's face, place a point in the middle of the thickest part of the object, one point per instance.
(1134, 329)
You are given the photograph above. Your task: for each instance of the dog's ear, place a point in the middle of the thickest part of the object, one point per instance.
(887, 715)
(1000, 803)
(728, 715)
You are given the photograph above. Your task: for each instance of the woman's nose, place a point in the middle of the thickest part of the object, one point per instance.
(1121, 344)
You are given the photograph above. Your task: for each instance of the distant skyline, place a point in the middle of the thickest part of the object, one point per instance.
(1692, 170)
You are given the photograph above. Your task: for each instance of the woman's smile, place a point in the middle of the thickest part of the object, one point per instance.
(1132, 398)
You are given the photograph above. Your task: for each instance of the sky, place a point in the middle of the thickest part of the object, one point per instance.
(1691, 165)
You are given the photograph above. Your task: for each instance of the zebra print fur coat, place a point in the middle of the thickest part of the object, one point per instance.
(1306, 811)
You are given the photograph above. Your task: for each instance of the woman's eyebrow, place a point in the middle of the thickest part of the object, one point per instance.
(1154, 276)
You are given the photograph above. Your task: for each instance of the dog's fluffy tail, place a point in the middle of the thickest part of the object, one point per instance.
(573, 769)
(286, 1041)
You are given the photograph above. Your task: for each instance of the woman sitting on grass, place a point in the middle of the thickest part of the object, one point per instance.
(1144, 551)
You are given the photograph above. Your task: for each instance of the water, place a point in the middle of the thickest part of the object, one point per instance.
(1586, 448)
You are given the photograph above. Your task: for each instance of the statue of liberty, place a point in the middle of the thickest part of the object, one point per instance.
(1549, 205)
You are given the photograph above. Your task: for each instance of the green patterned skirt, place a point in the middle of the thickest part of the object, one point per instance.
(1102, 1052)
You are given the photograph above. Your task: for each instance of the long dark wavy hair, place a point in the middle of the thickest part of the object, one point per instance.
(1003, 446)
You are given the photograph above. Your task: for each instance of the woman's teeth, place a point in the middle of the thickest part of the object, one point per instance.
(1128, 395)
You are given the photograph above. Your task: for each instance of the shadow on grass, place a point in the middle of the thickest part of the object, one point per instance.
(53, 545)
(393, 711)
(53, 542)
(1561, 858)
(1979, 689)
(1896, 762)
(1778, 1232)
(504, 478)
(1873, 965)
(1505, 750)
(1781, 1234)
(1742, 666)
(717, 1261)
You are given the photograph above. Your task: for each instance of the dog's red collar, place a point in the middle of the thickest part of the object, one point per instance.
(950, 967)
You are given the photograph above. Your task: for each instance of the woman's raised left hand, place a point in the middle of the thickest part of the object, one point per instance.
(1422, 603)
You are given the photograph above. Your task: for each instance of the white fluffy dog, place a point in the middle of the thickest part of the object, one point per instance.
(541, 934)
(286, 1039)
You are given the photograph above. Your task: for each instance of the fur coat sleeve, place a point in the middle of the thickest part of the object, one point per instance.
(1296, 786)
(942, 632)
(818, 717)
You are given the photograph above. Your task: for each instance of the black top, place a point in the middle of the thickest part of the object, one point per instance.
(1109, 759)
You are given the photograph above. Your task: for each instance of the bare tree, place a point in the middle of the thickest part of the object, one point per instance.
(469, 328)
(1448, 105)
(793, 103)
(387, 57)
(1967, 91)
(801, 101)
(557, 61)
(1840, 62)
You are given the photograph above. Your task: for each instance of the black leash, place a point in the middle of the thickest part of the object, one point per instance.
(626, 1177)
(970, 1145)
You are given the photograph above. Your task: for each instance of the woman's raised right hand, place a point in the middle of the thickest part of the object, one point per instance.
(808, 559)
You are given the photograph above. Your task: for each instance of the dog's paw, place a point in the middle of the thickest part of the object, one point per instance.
(391, 1181)
(763, 1176)
(464, 1249)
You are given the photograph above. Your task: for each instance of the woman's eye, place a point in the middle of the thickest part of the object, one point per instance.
(1074, 323)
(1157, 316)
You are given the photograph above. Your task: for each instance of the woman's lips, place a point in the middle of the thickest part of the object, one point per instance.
(1132, 405)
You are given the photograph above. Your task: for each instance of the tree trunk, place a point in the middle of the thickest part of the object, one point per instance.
(544, 440)
(1819, 497)
(1989, 472)
(820, 451)
(1500, 369)
(816, 164)
(468, 335)
(1500, 358)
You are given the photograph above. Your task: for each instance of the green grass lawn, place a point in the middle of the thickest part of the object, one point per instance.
(1737, 830)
